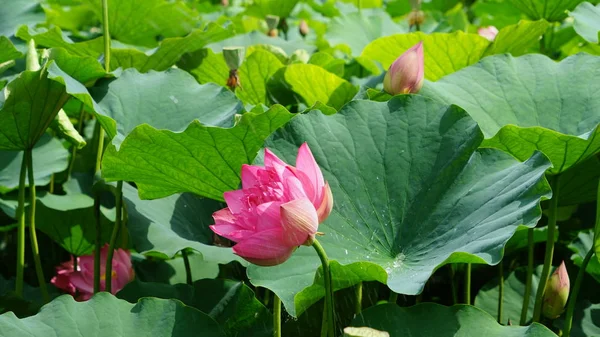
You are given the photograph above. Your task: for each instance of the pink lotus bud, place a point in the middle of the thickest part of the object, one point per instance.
(556, 293)
(488, 32)
(82, 279)
(278, 208)
(303, 28)
(406, 73)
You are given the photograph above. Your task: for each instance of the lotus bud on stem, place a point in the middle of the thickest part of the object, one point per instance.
(234, 56)
(272, 23)
(556, 293)
(407, 73)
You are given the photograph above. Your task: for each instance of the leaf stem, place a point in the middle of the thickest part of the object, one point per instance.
(97, 242)
(500, 290)
(393, 297)
(32, 234)
(527, 295)
(74, 151)
(329, 313)
(188, 269)
(453, 284)
(552, 213)
(21, 228)
(276, 316)
(358, 292)
(468, 284)
(97, 213)
(575, 292)
(113, 237)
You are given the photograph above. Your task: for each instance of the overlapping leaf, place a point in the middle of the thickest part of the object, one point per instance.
(531, 103)
(587, 21)
(50, 157)
(203, 160)
(551, 10)
(429, 319)
(65, 317)
(169, 225)
(411, 191)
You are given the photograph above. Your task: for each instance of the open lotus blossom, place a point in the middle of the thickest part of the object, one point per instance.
(556, 293)
(81, 281)
(406, 74)
(488, 32)
(278, 208)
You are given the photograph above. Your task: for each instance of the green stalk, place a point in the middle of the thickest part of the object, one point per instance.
(527, 295)
(32, 234)
(21, 229)
(328, 289)
(97, 263)
(453, 284)
(97, 243)
(74, 151)
(188, 269)
(393, 297)
(468, 284)
(276, 316)
(113, 236)
(358, 291)
(552, 213)
(500, 290)
(575, 292)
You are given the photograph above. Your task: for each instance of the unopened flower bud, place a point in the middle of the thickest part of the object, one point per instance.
(234, 56)
(224, 3)
(273, 32)
(556, 293)
(406, 74)
(303, 28)
(488, 32)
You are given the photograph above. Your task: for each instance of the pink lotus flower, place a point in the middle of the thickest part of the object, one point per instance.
(82, 279)
(278, 208)
(406, 74)
(488, 32)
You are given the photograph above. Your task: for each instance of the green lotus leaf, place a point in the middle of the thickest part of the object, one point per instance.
(587, 21)
(140, 22)
(202, 159)
(531, 103)
(429, 319)
(65, 317)
(411, 191)
(232, 304)
(168, 100)
(551, 10)
(580, 247)
(15, 13)
(49, 157)
(168, 225)
(358, 29)
(254, 73)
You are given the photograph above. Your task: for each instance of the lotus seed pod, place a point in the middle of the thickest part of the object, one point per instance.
(416, 18)
(234, 56)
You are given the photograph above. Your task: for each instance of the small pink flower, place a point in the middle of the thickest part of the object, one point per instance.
(488, 32)
(278, 208)
(82, 279)
(406, 74)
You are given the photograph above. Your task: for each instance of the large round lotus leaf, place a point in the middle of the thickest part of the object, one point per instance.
(580, 247)
(113, 317)
(411, 191)
(429, 319)
(551, 10)
(531, 103)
